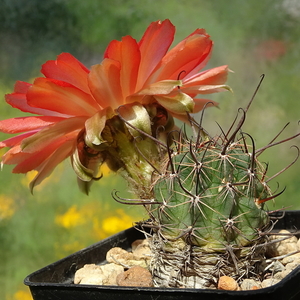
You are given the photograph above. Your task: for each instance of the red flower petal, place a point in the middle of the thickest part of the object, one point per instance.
(153, 46)
(201, 103)
(22, 87)
(127, 54)
(45, 169)
(35, 159)
(213, 76)
(14, 156)
(189, 56)
(23, 124)
(49, 134)
(59, 97)
(16, 140)
(68, 69)
(104, 83)
(18, 100)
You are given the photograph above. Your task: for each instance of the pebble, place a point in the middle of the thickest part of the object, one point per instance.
(291, 258)
(140, 257)
(284, 247)
(137, 243)
(227, 283)
(135, 276)
(250, 284)
(118, 255)
(269, 282)
(141, 250)
(98, 275)
(276, 267)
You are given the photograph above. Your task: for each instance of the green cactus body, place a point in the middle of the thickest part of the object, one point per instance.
(210, 197)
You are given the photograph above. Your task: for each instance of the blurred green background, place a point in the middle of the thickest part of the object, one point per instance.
(253, 37)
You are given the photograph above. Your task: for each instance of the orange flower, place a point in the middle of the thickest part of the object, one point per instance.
(75, 107)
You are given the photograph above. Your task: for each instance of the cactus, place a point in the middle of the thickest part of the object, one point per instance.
(207, 216)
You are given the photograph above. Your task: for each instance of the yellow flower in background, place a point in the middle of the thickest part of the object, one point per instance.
(119, 221)
(71, 218)
(7, 207)
(22, 295)
(100, 221)
(112, 224)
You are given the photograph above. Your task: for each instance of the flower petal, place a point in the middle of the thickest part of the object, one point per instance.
(68, 69)
(18, 100)
(45, 169)
(137, 115)
(180, 103)
(160, 88)
(104, 83)
(60, 97)
(22, 87)
(201, 103)
(212, 76)
(16, 140)
(127, 53)
(95, 125)
(153, 46)
(83, 172)
(86, 162)
(14, 156)
(205, 89)
(189, 56)
(23, 124)
(45, 136)
(206, 82)
(35, 159)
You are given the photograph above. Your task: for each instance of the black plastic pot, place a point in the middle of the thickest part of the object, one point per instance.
(55, 281)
